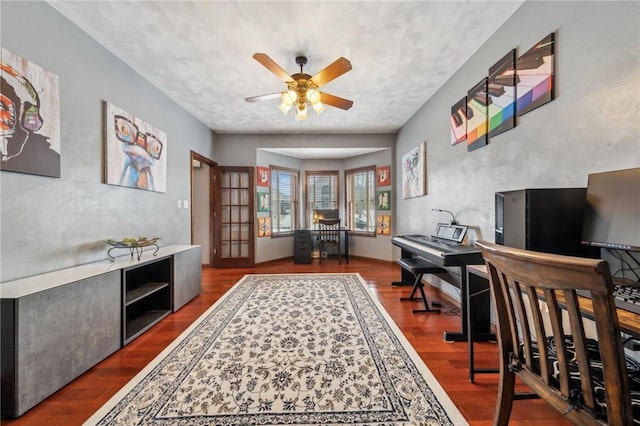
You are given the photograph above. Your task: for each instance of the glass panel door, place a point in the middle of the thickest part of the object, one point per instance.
(235, 213)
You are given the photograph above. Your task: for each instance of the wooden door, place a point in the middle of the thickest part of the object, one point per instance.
(234, 217)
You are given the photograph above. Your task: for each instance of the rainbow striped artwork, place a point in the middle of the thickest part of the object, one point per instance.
(477, 100)
(502, 94)
(535, 76)
(459, 121)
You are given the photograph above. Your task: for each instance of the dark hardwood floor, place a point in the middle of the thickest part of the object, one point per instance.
(73, 404)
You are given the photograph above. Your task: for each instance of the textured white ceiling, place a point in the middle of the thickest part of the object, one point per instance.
(200, 54)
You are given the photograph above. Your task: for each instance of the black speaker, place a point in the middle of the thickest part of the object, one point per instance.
(547, 220)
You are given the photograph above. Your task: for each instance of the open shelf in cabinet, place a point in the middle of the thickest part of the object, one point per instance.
(147, 296)
(147, 289)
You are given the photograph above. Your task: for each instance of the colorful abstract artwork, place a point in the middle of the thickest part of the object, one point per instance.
(459, 121)
(136, 154)
(383, 200)
(29, 117)
(414, 172)
(502, 94)
(383, 224)
(383, 176)
(477, 101)
(264, 226)
(535, 75)
(264, 201)
(263, 176)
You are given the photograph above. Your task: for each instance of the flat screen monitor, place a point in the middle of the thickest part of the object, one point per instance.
(325, 214)
(612, 213)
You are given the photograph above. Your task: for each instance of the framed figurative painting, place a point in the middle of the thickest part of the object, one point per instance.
(414, 172)
(136, 154)
(264, 226)
(30, 112)
(264, 201)
(383, 224)
(262, 176)
(383, 176)
(383, 200)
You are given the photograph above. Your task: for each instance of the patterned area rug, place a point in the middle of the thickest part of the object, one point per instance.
(297, 349)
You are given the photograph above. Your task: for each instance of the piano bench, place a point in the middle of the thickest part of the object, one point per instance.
(418, 267)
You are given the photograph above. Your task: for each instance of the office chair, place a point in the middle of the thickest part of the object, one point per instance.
(329, 236)
(587, 380)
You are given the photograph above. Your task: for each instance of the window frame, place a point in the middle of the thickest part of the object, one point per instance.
(349, 175)
(294, 204)
(307, 202)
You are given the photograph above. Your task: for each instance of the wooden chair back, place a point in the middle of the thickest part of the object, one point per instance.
(329, 236)
(537, 307)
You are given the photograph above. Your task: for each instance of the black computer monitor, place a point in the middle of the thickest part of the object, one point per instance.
(612, 214)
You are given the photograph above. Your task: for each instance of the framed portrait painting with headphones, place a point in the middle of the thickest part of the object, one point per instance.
(29, 117)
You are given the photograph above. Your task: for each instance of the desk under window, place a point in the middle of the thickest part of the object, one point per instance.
(304, 242)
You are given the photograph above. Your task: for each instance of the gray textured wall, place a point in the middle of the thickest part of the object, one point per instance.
(48, 223)
(593, 125)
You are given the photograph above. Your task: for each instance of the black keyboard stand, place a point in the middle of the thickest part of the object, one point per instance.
(419, 267)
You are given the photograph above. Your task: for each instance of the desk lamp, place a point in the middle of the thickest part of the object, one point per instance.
(453, 218)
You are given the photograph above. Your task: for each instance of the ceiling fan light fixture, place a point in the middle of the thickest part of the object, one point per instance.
(302, 89)
(301, 113)
(284, 108)
(313, 96)
(287, 101)
(318, 107)
(292, 95)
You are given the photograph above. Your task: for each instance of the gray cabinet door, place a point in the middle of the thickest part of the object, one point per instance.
(61, 333)
(187, 276)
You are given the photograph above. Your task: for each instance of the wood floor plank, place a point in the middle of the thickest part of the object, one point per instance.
(77, 401)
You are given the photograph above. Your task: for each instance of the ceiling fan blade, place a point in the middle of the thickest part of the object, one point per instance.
(263, 97)
(270, 64)
(332, 71)
(335, 101)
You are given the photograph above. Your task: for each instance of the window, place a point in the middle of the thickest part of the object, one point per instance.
(284, 200)
(361, 199)
(321, 193)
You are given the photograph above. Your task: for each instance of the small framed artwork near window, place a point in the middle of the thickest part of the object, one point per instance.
(383, 224)
(264, 226)
(262, 176)
(414, 172)
(264, 201)
(383, 200)
(383, 176)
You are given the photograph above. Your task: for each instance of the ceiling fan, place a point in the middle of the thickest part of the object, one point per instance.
(302, 88)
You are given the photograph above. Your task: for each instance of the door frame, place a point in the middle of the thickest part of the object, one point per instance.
(195, 158)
